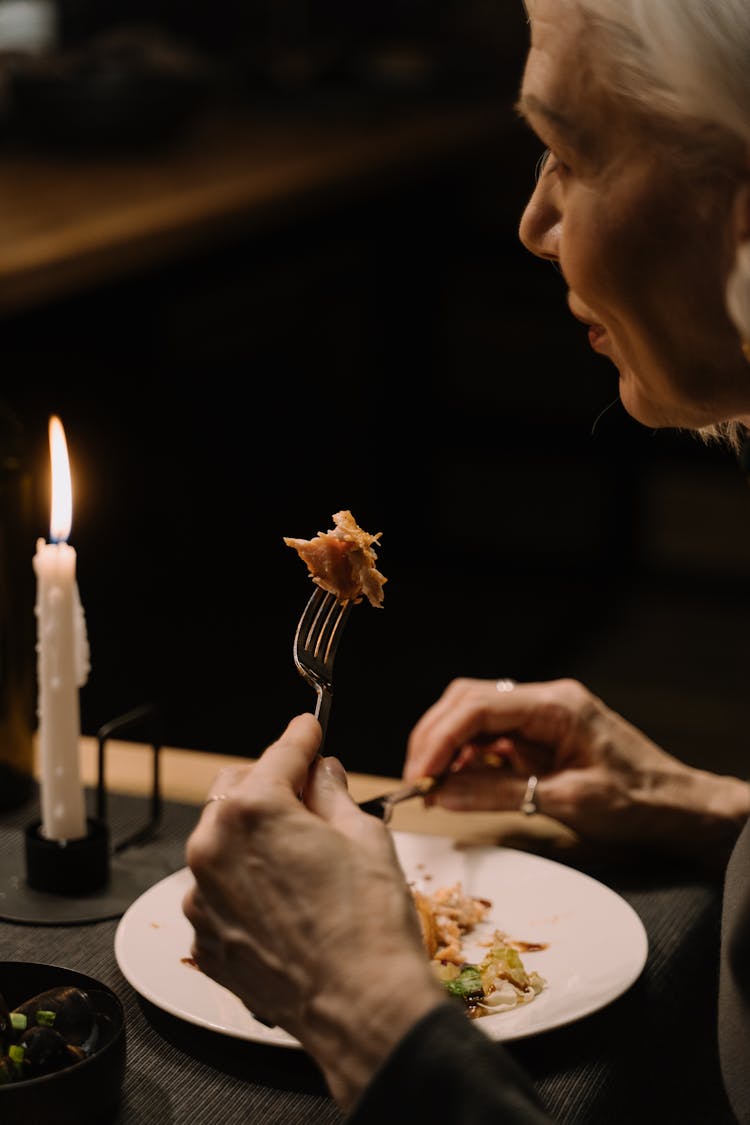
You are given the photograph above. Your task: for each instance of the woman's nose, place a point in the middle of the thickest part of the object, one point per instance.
(539, 229)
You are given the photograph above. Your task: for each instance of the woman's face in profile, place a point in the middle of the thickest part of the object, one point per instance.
(645, 249)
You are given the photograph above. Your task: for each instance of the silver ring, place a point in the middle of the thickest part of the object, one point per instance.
(505, 685)
(528, 804)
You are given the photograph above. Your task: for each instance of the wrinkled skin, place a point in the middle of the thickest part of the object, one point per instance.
(301, 909)
(644, 243)
(597, 774)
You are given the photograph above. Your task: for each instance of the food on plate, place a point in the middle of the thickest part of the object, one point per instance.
(446, 915)
(428, 923)
(342, 561)
(51, 1031)
(496, 983)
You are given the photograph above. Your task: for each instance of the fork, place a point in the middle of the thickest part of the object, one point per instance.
(315, 643)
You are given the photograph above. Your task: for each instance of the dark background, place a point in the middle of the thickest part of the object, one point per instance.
(398, 354)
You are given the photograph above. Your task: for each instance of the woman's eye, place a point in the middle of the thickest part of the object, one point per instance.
(549, 163)
(541, 164)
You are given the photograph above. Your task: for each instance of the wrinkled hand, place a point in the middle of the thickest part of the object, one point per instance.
(597, 773)
(301, 909)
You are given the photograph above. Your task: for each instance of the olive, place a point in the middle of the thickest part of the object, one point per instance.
(68, 1011)
(46, 1051)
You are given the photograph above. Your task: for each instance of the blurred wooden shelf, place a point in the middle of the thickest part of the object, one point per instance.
(72, 221)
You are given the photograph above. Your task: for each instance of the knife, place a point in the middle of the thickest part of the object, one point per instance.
(382, 806)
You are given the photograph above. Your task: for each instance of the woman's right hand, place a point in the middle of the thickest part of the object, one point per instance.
(597, 774)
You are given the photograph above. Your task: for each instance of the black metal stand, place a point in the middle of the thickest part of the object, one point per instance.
(86, 880)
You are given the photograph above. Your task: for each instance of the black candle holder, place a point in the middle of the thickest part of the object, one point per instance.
(70, 867)
(88, 879)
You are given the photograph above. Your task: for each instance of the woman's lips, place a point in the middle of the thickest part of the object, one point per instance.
(597, 332)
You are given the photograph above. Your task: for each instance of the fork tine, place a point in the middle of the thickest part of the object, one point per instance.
(321, 632)
(318, 635)
(332, 630)
(310, 614)
(315, 643)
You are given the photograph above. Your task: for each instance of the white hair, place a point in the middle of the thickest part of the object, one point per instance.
(687, 63)
(680, 58)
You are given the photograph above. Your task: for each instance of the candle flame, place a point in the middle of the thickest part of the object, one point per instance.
(61, 517)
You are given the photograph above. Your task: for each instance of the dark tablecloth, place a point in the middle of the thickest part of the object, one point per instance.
(649, 1056)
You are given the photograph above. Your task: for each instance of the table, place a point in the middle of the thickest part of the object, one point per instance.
(651, 1055)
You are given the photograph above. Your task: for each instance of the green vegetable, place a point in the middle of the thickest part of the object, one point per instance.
(18, 1021)
(16, 1054)
(45, 1018)
(467, 985)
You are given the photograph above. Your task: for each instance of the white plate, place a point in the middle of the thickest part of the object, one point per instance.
(596, 945)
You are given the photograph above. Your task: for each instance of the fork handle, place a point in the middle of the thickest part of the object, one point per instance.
(322, 712)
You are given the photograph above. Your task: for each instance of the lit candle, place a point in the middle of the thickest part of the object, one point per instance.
(62, 659)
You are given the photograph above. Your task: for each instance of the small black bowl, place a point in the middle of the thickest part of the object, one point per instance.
(85, 1093)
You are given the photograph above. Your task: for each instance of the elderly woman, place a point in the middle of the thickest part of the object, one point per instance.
(643, 202)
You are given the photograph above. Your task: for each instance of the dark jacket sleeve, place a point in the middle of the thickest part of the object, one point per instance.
(447, 1070)
(734, 980)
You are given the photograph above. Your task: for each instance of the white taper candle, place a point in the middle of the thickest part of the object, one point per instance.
(62, 659)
